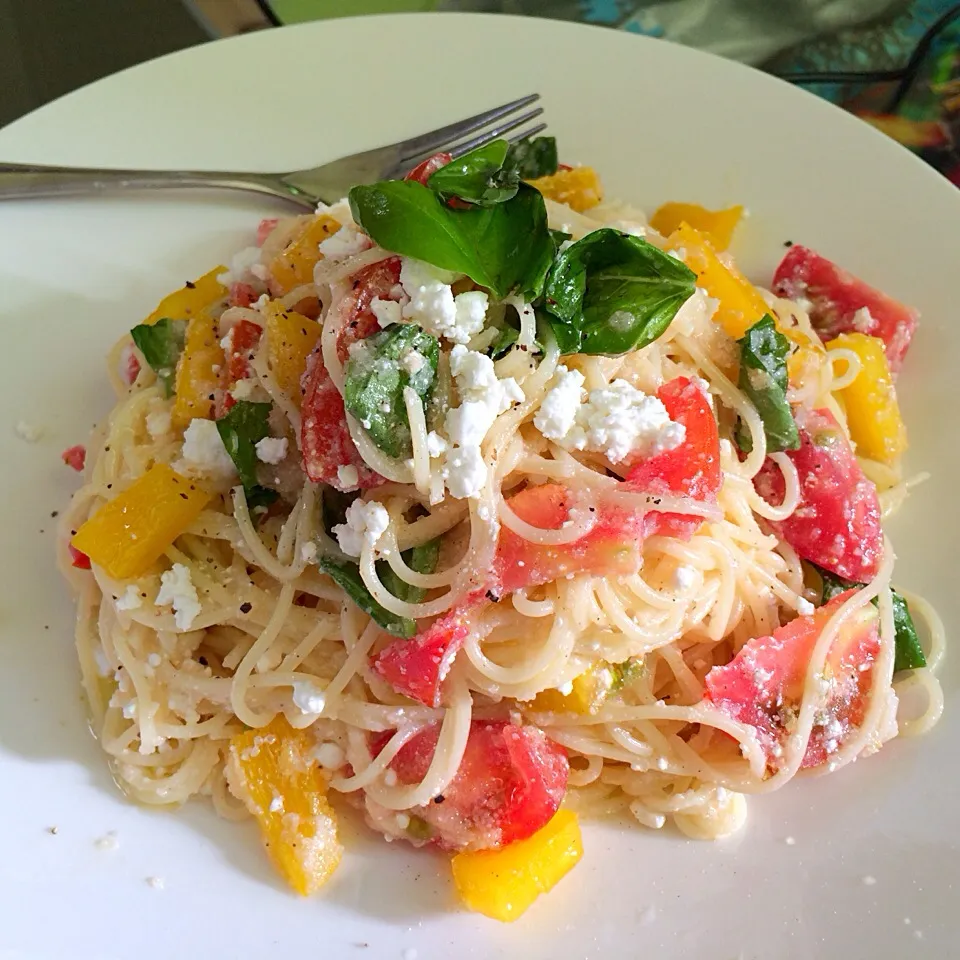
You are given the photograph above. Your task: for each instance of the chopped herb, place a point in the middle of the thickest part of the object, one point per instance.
(161, 344)
(346, 575)
(422, 559)
(241, 430)
(533, 158)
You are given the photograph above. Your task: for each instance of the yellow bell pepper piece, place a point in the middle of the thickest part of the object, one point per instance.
(741, 305)
(502, 883)
(873, 414)
(716, 225)
(590, 689)
(294, 266)
(272, 771)
(188, 301)
(128, 534)
(291, 338)
(578, 187)
(198, 372)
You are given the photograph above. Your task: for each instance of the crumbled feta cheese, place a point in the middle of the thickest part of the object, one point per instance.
(155, 882)
(28, 432)
(630, 227)
(271, 449)
(617, 420)
(433, 305)
(684, 577)
(464, 472)
(158, 423)
(241, 267)
(244, 389)
(348, 477)
(308, 552)
(436, 445)
(412, 361)
(339, 211)
(804, 607)
(107, 842)
(130, 599)
(329, 755)
(367, 521)
(177, 589)
(203, 451)
(346, 242)
(260, 304)
(308, 697)
(387, 312)
(566, 689)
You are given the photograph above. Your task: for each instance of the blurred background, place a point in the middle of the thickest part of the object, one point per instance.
(895, 63)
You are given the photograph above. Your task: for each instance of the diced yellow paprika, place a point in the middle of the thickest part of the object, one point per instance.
(804, 364)
(198, 372)
(189, 300)
(294, 266)
(502, 883)
(273, 772)
(128, 534)
(590, 689)
(716, 225)
(741, 305)
(291, 338)
(578, 187)
(873, 414)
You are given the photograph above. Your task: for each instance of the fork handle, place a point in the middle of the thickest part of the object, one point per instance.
(20, 181)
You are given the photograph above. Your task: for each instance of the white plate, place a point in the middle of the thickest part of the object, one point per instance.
(660, 122)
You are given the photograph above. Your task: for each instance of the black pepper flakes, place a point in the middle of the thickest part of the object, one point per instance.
(54, 513)
(246, 607)
(439, 798)
(184, 496)
(190, 285)
(788, 243)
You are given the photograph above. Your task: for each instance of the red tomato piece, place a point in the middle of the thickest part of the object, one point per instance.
(423, 171)
(265, 228)
(763, 684)
(129, 365)
(417, 667)
(838, 299)
(242, 295)
(692, 469)
(78, 559)
(611, 547)
(324, 436)
(510, 782)
(75, 457)
(241, 342)
(837, 522)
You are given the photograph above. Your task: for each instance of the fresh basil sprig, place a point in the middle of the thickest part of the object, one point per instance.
(377, 372)
(533, 158)
(479, 177)
(421, 559)
(909, 653)
(241, 430)
(161, 344)
(346, 574)
(611, 292)
(763, 378)
(505, 247)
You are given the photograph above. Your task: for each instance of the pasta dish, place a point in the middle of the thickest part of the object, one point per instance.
(483, 504)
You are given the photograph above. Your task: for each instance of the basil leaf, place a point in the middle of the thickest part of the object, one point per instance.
(909, 653)
(422, 559)
(505, 340)
(559, 237)
(161, 344)
(533, 158)
(241, 430)
(611, 292)
(763, 378)
(377, 373)
(478, 176)
(346, 575)
(505, 247)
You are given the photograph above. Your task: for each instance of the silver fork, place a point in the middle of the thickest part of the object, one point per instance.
(304, 187)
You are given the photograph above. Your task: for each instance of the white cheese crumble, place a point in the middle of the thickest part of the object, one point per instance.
(346, 242)
(329, 755)
(804, 607)
(177, 589)
(130, 599)
(308, 697)
(242, 267)
(347, 477)
(482, 399)
(244, 389)
(28, 431)
(158, 423)
(203, 451)
(432, 303)
(271, 449)
(684, 577)
(436, 445)
(367, 521)
(387, 312)
(412, 361)
(618, 420)
(863, 321)
(308, 552)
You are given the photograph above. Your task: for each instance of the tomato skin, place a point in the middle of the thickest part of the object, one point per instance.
(835, 298)
(78, 559)
(324, 436)
(242, 295)
(837, 521)
(510, 782)
(75, 457)
(129, 365)
(763, 684)
(242, 341)
(265, 228)
(424, 170)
